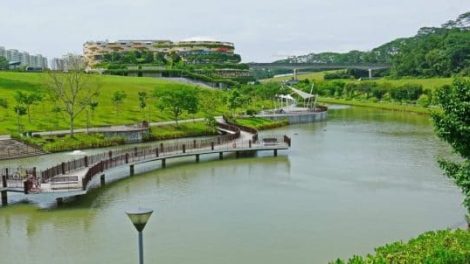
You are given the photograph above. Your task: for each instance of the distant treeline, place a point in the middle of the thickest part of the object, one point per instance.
(373, 91)
(433, 51)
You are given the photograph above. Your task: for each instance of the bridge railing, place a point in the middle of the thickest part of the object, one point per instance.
(149, 153)
(81, 163)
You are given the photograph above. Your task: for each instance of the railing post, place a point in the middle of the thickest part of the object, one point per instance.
(127, 158)
(4, 198)
(131, 170)
(161, 148)
(63, 167)
(25, 187)
(84, 183)
(197, 157)
(218, 140)
(102, 180)
(4, 180)
(34, 172)
(85, 159)
(156, 152)
(249, 143)
(194, 143)
(135, 151)
(212, 145)
(110, 154)
(184, 148)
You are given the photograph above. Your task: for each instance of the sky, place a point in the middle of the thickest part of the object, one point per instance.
(262, 30)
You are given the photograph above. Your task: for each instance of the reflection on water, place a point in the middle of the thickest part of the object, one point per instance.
(363, 178)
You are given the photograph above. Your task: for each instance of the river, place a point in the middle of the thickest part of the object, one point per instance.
(359, 180)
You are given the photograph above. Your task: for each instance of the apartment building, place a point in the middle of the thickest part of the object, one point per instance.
(94, 50)
(23, 58)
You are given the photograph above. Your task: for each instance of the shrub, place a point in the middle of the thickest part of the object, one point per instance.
(444, 247)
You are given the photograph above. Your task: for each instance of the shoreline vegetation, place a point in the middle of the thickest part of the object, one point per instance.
(81, 141)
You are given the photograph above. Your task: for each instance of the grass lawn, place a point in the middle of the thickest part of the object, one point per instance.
(44, 119)
(260, 123)
(187, 129)
(317, 76)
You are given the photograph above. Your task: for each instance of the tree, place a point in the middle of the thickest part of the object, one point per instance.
(73, 90)
(3, 63)
(20, 111)
(118, 98)
(237, 100)
(178, 101)
(143, 101)
(209, 103)
(28, 100)
(452, 124)
(91, 107)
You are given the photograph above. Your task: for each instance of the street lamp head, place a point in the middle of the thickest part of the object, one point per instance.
(139, 217)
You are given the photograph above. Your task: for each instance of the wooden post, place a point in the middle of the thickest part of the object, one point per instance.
(163, 163)
(237, 154)
(221, 155)
(84, 184)
(212, 145)
(127, 158)
(197, 157)
(184, 148)
(25, 187)
(34, 172)
(85, 159)
(63, 168)
(4, 198)
(131, 170)
(156, 152)
(60, 201)
(194, 144)
(275, 153)
(135, 152)
(4, 179)
(249, 143)
(110, 154)
(102, 180)
(218, 140)
(161, 148)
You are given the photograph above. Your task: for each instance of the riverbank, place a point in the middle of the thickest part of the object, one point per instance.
(378, 105)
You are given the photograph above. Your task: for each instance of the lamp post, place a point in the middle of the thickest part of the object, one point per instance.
(139, 218)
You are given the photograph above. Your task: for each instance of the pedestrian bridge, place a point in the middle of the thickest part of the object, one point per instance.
(74, 177)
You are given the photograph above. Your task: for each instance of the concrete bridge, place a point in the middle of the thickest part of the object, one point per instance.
(295, 67)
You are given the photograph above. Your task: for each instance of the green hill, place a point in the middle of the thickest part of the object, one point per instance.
(43, 118)
(434, 51)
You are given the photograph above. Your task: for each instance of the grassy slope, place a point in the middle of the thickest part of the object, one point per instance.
(44, 119)
(260, 123)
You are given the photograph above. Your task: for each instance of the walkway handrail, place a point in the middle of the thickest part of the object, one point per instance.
(66, 167)
(244, 128)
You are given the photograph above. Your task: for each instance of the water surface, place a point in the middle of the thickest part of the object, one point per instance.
(359, 180)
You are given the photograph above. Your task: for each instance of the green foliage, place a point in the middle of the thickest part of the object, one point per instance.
(178, 101)
(3, 103)
(186, 129)
(118, 98)
(237, 100)
(443, 247)
(78, 141)
(27, 100)
(452, 124)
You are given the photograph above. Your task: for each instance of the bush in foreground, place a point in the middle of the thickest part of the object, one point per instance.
(443, 247)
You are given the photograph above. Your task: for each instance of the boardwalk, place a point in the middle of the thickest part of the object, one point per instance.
(73, 178)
